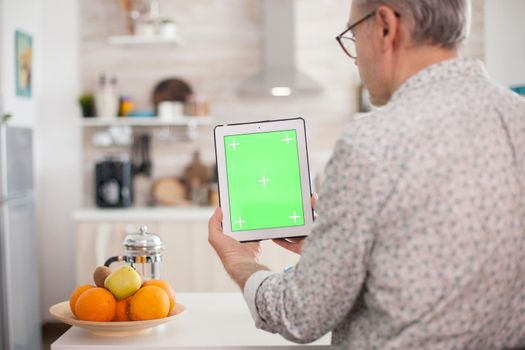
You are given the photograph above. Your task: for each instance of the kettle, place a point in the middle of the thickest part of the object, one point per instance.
(143, 251)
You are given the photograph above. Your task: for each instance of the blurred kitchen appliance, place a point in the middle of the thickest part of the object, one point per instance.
(19, 278)
(172, 89)
(140, 155)
(143, 251)
(113, 183)
(197, 105)
(197, 176)
(279, 75)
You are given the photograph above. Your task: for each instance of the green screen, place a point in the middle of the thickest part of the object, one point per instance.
(264, 183)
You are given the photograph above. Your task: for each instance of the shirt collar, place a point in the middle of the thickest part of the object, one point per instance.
(444, 70)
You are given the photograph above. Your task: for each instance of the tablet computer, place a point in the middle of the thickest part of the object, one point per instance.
(264, 179)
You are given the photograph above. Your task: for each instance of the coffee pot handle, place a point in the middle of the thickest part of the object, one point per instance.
(113, 259)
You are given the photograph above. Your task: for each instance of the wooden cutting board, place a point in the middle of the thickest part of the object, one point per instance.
(169, 191)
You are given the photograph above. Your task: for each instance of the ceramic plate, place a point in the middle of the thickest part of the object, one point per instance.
(62, 312)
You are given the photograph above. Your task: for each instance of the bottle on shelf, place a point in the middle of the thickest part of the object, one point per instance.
(107, 99)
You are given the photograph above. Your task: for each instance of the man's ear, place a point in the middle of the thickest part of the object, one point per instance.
(388, 27)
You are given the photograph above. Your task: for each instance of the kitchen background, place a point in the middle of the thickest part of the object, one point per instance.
(219, 46)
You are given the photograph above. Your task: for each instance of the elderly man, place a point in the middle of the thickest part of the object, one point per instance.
(420, 239)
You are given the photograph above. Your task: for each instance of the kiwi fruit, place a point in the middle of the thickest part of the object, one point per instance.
(100, 275)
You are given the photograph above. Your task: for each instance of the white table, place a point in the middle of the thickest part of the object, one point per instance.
(212, 321)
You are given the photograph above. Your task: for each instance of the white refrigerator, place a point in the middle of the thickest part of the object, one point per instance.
(19, 270)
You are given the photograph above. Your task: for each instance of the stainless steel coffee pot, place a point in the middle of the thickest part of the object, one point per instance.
(143, 251)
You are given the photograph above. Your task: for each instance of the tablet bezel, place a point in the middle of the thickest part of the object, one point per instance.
(297, 124)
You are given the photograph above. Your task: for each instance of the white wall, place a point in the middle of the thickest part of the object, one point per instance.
(53, 113)
(1, 53)
(505, 41)
(20, 15)
(58, 149)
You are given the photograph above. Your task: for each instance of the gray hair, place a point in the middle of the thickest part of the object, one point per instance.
(438, 22)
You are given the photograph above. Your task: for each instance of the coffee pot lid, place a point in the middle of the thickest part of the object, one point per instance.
(143, 241)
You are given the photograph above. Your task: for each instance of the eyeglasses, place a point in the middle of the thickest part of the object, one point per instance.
(348, 42)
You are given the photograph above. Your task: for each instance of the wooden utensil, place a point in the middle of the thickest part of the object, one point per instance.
(169, 192)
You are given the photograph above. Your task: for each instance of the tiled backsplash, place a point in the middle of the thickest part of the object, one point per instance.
(221, 48)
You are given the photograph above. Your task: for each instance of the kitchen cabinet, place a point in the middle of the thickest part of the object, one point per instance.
(190, 263)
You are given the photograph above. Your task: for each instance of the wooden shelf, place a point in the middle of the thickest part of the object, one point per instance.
(144, 121)
(141, 40)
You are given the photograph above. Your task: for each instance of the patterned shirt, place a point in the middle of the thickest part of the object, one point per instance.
(420, 239)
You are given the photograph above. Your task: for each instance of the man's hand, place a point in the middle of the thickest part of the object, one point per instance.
(239, 259)
(295, 245)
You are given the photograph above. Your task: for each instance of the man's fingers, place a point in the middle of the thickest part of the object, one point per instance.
(215, 223)
(283, 243)
(314, 199)
(218, 214)
(216, 218)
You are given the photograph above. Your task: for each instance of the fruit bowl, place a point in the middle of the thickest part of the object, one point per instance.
(62, 312)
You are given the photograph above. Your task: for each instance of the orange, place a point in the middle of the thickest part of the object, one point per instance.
(121, 314)
(167, 288)
(76, 293)
(96, 304)
(149, 303)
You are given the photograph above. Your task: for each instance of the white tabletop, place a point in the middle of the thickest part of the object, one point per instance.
(211, 321)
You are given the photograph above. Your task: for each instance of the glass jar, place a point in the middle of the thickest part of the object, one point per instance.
(143, 251)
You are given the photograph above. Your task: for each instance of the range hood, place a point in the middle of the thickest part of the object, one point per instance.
(279, 75)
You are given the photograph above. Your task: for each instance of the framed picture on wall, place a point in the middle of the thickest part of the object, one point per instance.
(23, 62)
